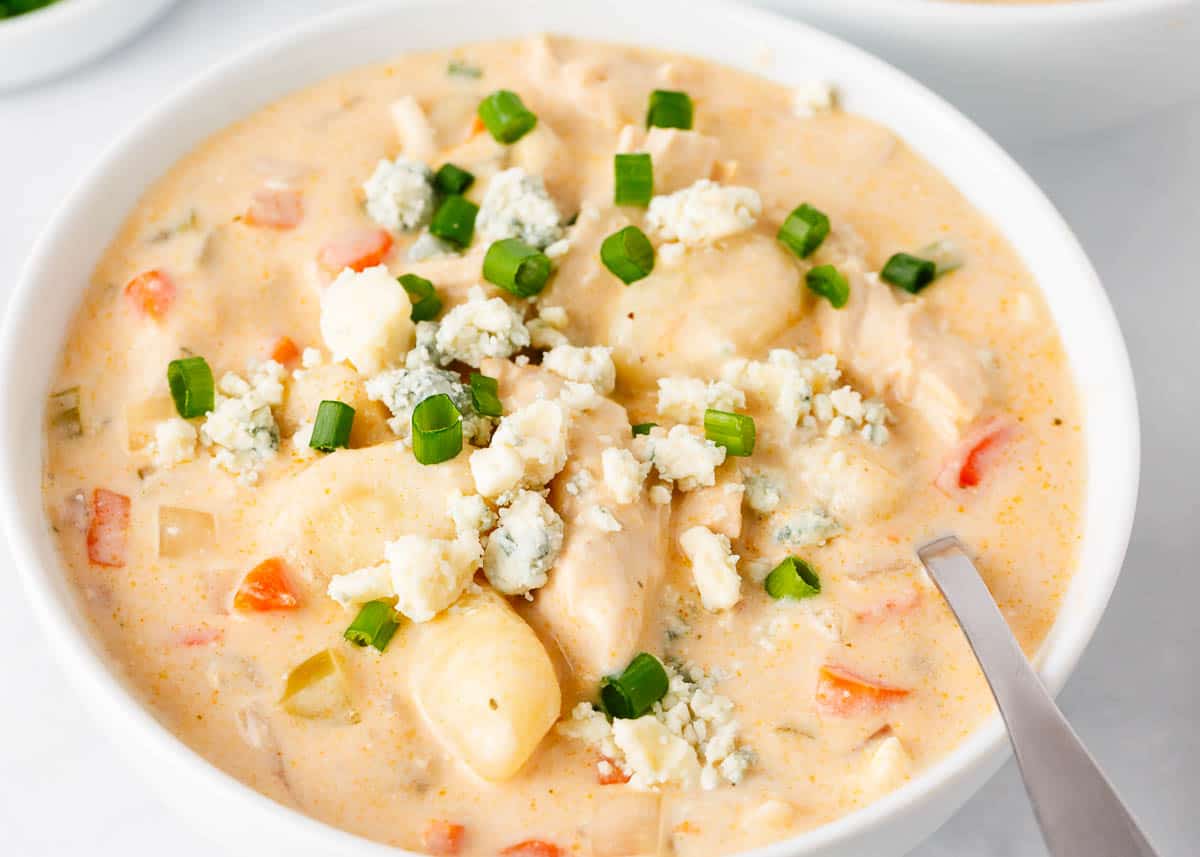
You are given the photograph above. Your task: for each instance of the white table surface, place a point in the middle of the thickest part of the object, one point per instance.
(1131, 194)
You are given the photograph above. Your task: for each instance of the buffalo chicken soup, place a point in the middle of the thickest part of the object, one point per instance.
(521, 450)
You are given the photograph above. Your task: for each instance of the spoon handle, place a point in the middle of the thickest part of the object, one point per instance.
(1076, 806)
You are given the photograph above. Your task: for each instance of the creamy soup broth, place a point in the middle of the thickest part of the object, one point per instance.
(954, 410)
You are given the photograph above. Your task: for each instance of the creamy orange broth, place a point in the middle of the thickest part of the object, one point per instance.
(977, 343)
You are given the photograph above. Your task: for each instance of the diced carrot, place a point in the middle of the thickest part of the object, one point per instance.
(843, 693)
(973, 458)
(285, 351)
(363, 248)
(608, 773)
(200, 637)
(151, 293)
(894, 605)
(477, 127)
(108, 532)
(266, 587)
(442, 838)
(275, 208)
(532, 848)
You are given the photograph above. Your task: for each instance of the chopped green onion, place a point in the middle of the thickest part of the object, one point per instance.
(191, 383)
(908, 272)
(669, 110)
(516, 267)
(643, 428)
(828, 282)
(373, 626)
(331, 429)
(454, 220)
(462, 68)
(452, 179)
(945, 254)
(485, 395)
(633, 179)
(505, 116)
(630, 695)
(62, 412)
(793, 578)
(628, 254)
(735, 432)
(425, 301)
(436, 430)
(804, 230)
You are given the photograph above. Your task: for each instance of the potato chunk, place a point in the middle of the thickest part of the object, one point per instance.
(485, 685)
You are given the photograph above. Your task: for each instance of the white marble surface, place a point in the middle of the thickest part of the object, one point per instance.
(1131, 194)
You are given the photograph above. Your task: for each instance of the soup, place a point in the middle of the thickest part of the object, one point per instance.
(521, 449)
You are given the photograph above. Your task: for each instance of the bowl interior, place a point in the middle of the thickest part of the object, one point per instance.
(58, 270)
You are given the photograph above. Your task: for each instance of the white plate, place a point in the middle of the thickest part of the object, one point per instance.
(66, 34)
(1030, 70)
(57, 275)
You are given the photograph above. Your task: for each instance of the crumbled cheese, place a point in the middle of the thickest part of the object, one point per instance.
(470, 513)
(660, 495)
(762, 491)
(174, 442)
(311, 358)
(480, 328)
(591, 365)
(555, 316)
(516, 205)
(714, 568)
(521, 551)
(400, 194)
(300, 440)
(579, 397)
(686, 399)
(558, 249)
(546, 331)
(528, 449)
(704, 212)
(689, 738)
(365, 318)
(429, 246)
(602, 519)
(682, 457)
(362, 585)
(812, 97)
(623, 474)
(425, 351)
(785, 379)
(428, 574)
(813, 526)
(241, 424)
(401, 390)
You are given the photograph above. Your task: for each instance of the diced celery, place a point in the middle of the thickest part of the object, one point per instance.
(63, 412)
(183, 531)
(318, 690)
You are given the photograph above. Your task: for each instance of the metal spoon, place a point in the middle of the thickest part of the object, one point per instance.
(1076, 806)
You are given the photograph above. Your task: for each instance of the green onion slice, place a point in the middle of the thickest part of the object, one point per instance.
(908, 272)
(634, 179)
(735, 432)
(373, 626)
(643, 428)
(630, 695)
(945, 254)
(425, 301)
(516, 267)
(669, 109)
(331, 429)
(436, 430)
(191, 383)
(793, 578)
(454, 220)
(505, 116)
(828, 282)
(462, 68)
(628, 254)
(485, 395)
(452, 179)
(804, 230)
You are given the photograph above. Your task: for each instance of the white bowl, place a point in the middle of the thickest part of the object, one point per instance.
(1035, 70)
(57, 273)
(50, 41)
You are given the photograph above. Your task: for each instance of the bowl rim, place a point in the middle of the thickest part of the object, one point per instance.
(1031, 11)
(75, 648)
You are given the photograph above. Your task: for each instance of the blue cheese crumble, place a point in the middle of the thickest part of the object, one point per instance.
(516, 205)
(704, 212)
(241, 428)
(400, 194)
(401, 390)
(481, 328)
(522, 550)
